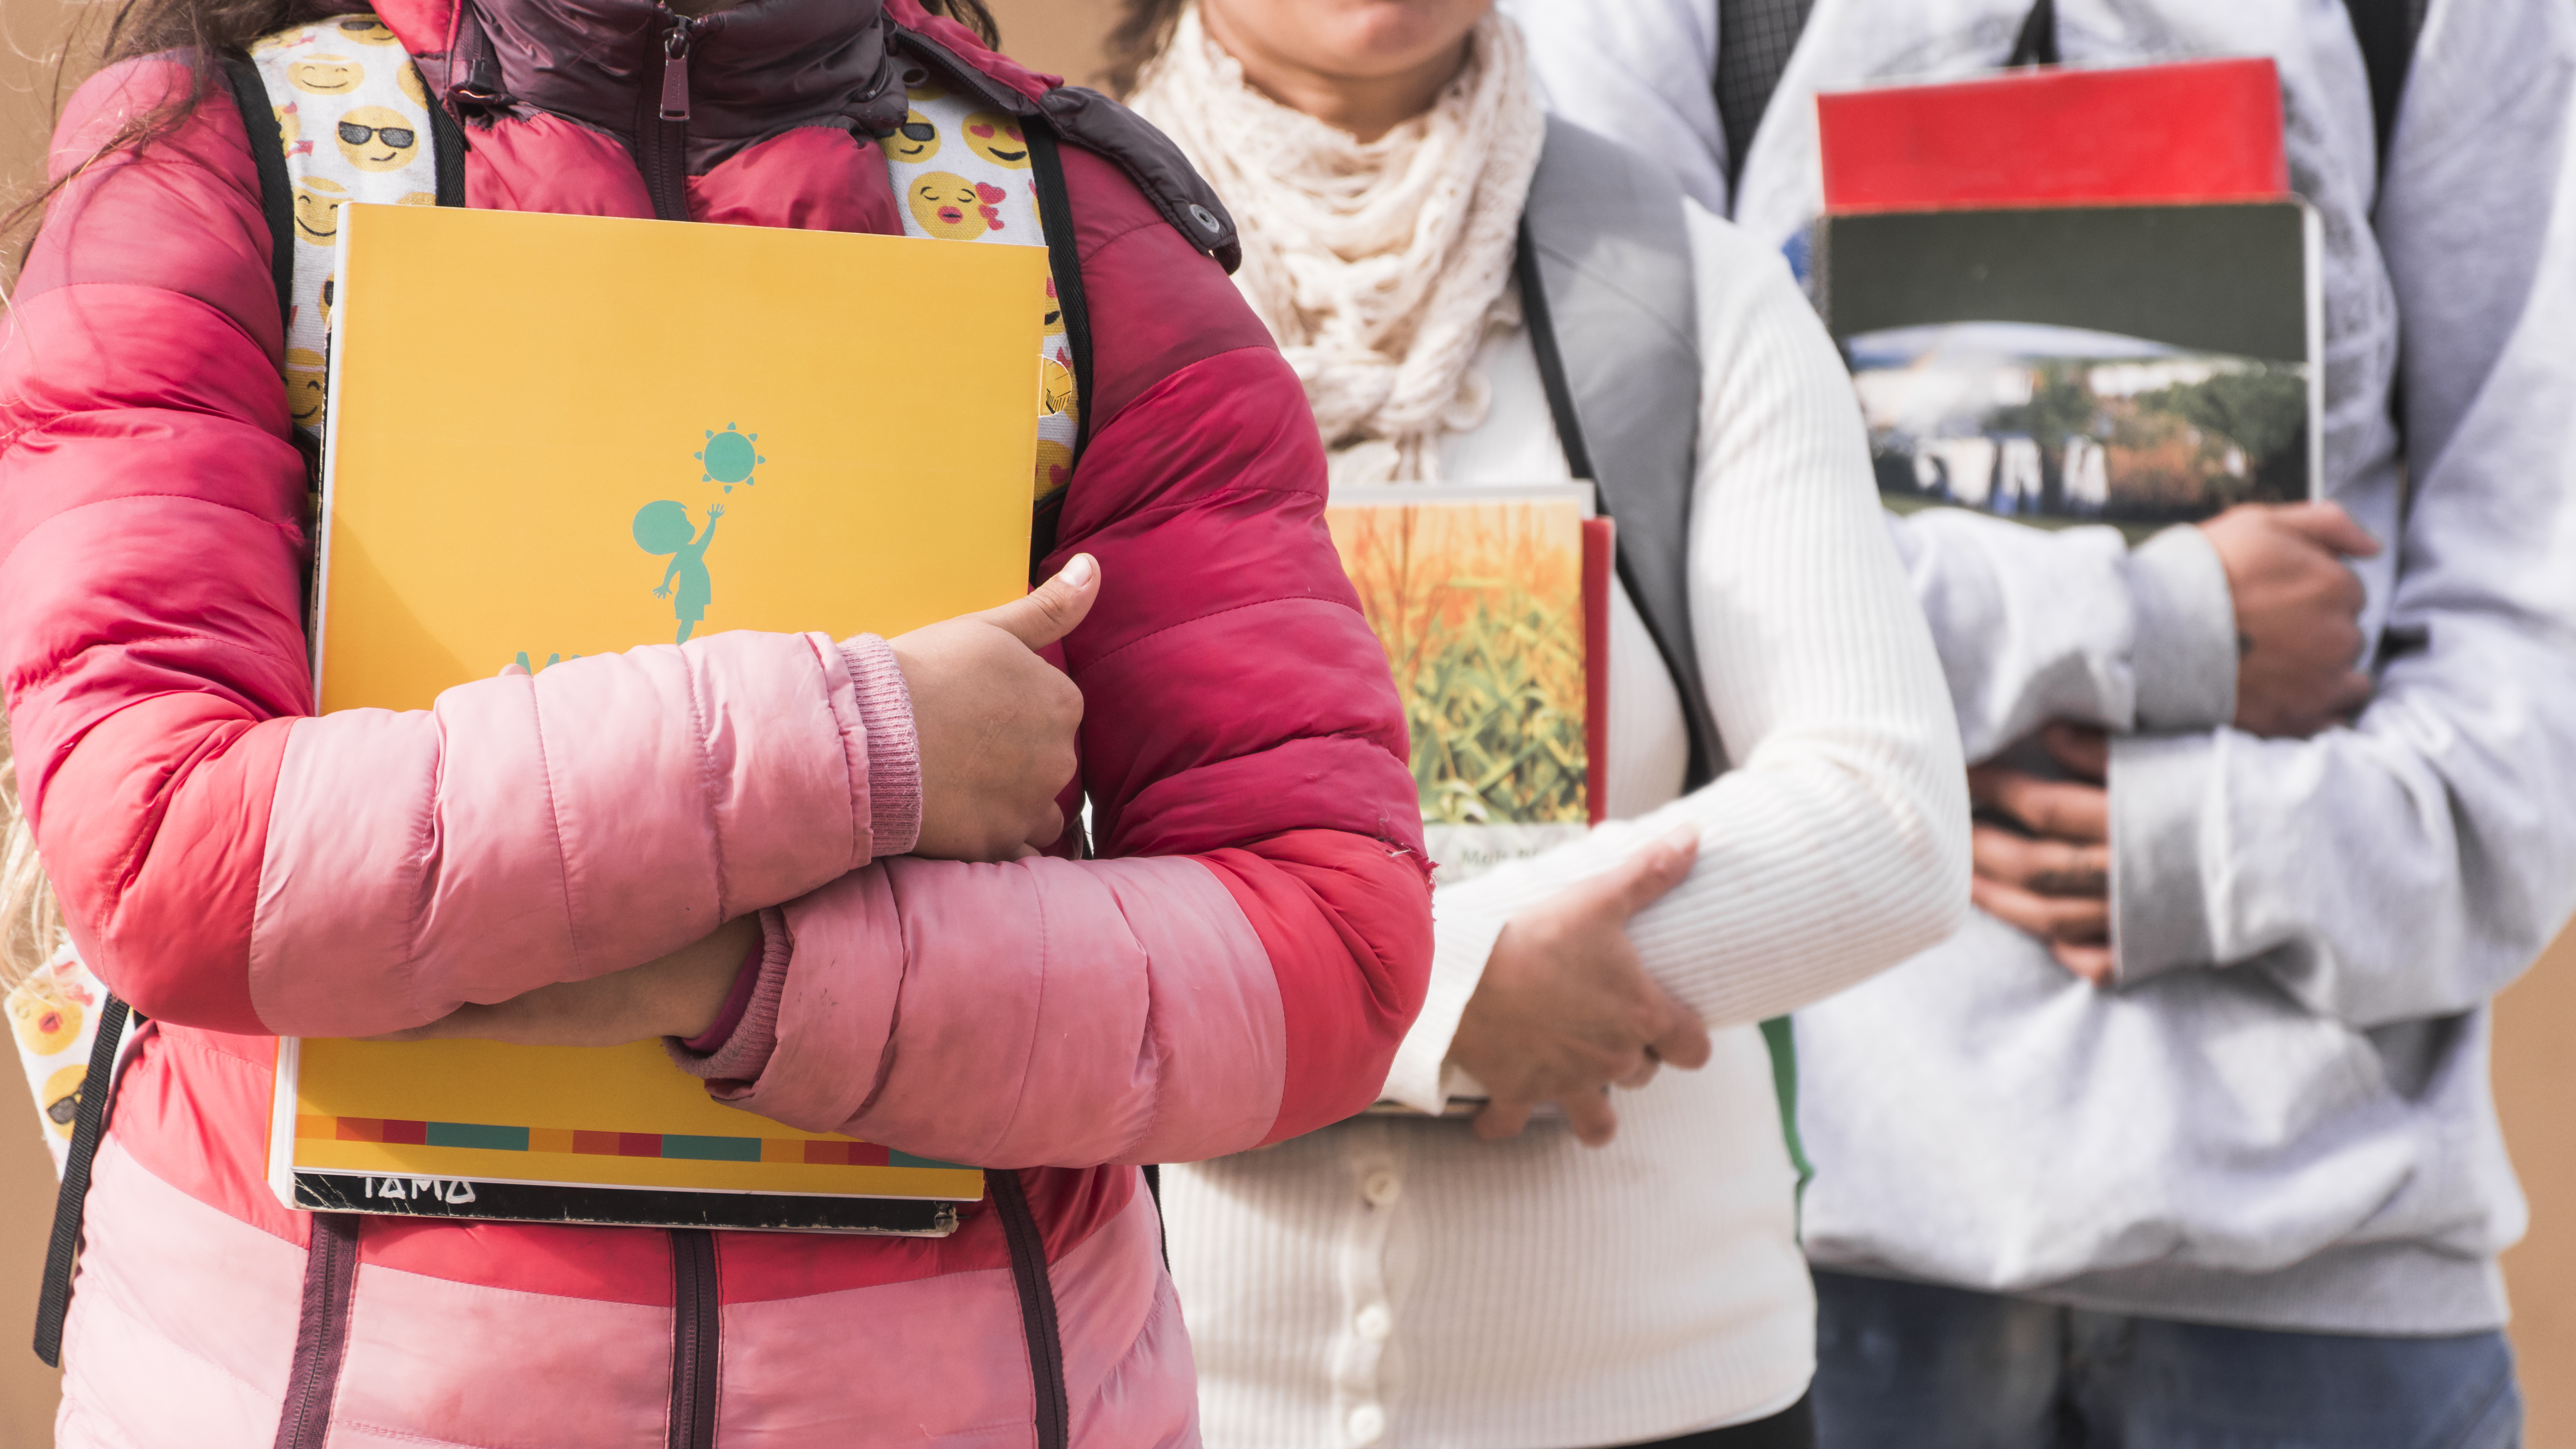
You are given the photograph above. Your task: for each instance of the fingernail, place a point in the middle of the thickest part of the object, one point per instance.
(1078, 572)
(1682, 837)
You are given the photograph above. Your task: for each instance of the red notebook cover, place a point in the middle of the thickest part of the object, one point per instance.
(1600, 568)
(2204, 130)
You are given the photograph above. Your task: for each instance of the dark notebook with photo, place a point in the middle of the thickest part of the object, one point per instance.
(2131, 365)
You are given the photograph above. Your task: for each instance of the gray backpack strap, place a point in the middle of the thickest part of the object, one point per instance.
(1614, 319)
(1607, 291)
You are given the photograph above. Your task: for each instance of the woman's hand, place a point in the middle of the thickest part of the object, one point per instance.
(2298, 607)
(1565, 1008)
(676, 995)
(996, 721)
(2052, 876)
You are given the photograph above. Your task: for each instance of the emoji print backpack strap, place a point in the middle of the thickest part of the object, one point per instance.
(971, 173)
(54, 1017)
(336, 113)
(73, 1038)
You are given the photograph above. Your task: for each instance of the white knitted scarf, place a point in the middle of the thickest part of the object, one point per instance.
(1378, 266)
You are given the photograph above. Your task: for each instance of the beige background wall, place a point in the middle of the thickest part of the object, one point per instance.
(2535, 1025)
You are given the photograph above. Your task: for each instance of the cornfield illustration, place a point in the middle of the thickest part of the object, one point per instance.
(1479, 606)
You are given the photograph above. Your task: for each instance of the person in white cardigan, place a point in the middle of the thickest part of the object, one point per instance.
(1625, 1269)
(2194, 1143)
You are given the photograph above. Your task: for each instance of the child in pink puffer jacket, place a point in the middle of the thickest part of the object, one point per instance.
(1236, 966)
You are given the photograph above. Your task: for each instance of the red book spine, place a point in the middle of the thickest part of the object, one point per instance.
(2190, 131)
(1599, 572)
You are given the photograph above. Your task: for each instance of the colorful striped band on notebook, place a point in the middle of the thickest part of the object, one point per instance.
(834, 1152)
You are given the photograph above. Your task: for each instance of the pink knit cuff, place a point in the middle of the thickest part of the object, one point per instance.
(737, 1048)
(894, 749)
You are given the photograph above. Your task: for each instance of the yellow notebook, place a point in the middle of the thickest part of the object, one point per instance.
(555, 436)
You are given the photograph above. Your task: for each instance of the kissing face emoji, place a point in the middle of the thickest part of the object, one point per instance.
(945, 205)
(376, 139)
(317, 210)
(998, 139)
(305, 371)
(914, 141)
(1054, 312)
(46, 1027)
(326, 75)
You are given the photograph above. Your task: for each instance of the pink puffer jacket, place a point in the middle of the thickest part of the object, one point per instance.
(1237, 968)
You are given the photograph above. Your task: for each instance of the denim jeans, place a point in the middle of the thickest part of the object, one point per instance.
(1913, 1366)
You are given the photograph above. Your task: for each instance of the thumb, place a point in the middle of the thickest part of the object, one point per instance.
(1683, 1039)
(1643, 878)
(1053, 608)
(2328, 524)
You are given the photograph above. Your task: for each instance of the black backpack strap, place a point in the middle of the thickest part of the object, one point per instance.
(1551, 365)
(1064, 259)
(2037, 42)
(1037, 1307)
(268, 153)
(447, 152)
(1538, 315)
(98, 1090)
(2386, 30)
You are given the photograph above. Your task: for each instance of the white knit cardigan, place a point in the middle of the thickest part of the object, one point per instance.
(1398, 1281)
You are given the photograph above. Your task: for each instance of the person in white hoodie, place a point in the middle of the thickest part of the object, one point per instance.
(1626, 1270)
(2187, 1139)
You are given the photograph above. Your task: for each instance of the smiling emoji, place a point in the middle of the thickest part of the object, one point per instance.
(1054, 312)
(61, 1097)
(305, 370)
(945, 205)
(913, 142)
(326, 75)
(376, 139)
(317, 209)
(998, 139)
(409, 79)
(366, 30)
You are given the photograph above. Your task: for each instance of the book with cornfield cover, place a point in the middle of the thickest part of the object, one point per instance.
(1492, 603)
(559, 436)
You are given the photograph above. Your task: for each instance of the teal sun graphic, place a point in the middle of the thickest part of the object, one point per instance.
(730, 458)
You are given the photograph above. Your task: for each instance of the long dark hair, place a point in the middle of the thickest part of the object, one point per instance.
(203, 29)
(1143, 29)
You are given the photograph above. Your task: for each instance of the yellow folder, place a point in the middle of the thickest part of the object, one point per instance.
(558, 436)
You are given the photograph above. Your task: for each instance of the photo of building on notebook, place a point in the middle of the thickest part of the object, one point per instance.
(2135, 365)
(2035, 421)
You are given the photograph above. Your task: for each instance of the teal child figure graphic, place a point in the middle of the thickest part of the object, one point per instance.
(664, 527)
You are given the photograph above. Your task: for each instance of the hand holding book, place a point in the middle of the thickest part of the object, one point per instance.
(1565, 1010)
(2298, 606)
(996, 721)
(996, 727)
